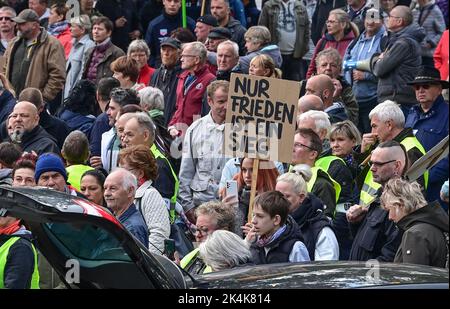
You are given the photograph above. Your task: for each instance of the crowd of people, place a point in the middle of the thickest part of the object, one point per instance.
(125, 107)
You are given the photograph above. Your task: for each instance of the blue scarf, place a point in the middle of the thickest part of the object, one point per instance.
(56, 28)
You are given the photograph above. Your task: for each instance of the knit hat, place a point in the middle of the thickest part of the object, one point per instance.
(49, 162)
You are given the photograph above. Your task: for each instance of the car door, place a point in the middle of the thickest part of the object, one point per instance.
(85, 244)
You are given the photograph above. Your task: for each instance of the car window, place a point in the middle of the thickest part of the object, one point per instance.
(86, 241)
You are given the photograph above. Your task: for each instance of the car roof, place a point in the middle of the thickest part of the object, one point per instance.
(330, 274)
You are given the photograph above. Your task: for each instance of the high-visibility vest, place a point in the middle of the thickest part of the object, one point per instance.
(74, 173)
(370, 187)
(191, 258)
(312, 181)
(158, 154)
(4, 251)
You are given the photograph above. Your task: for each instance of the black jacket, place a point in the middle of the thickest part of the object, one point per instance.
(342, 174)
(280, 248)
(324, 190)
(423, 240)
(311, 220)
(114, 9)
(39, 141)
(376, 237)
(54, 126)
(167, 80)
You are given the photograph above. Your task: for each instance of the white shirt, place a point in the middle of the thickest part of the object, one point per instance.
(327, 247)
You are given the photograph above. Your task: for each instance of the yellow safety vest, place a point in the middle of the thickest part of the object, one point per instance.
(4, 251)
(370, 187)
(158, 154)
(74, 173)
(190, 258)
(312, 181)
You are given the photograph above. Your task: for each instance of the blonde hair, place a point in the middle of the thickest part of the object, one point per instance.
(348, 129)
(296, 180)
(267, 63)
(409, 195)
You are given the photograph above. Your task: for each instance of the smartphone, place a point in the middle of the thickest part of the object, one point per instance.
(231, 188)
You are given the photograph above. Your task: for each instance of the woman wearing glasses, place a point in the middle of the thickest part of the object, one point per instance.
(340, 33)
(211, 216)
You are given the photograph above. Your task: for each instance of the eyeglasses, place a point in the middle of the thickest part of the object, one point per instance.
(390, 16)
(379, 164)
(202, 230)
(7, 18)
(332, 21)
(424, 86)
(298, 145)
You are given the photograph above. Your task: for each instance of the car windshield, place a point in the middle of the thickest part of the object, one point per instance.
(85, 241)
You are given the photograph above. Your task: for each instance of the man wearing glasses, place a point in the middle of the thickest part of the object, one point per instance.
(375, 237)
(399, 63)
(429, 122)
(191, 87)
(388, 123)
(7, 27)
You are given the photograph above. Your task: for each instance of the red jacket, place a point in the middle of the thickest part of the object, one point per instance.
(190, 103)
(145, 75)
(341, 46)
(65, 38)
(441, 56)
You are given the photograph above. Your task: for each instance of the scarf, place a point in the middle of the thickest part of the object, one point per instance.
(265, 240)
(57, 28)
(10, 229)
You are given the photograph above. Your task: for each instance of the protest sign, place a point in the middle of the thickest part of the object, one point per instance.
(261, 118)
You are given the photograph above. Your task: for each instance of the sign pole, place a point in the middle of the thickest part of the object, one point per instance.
(202, 11)
(183, 13)
(253, 188)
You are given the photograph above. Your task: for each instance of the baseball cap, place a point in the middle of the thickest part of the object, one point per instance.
(219, 33)
(208, 19)
(26, 16)
(171, 42)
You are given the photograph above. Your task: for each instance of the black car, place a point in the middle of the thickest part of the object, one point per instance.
(68, 228)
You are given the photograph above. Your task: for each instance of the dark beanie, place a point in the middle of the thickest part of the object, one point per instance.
(49, 162)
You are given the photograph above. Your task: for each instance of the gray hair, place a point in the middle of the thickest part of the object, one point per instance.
(151, 98)
(145, 123)
(296, 180)
(389, 110)
(82, 21)
(234, 46)
(138, 46)
(10, 10)
(397, 190)
(258, 35)
(224, 249)
(321, 120)
(303, 170)
(128, 179)
(198, 49)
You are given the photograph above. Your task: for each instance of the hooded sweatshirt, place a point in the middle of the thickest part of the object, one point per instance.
(423, 241)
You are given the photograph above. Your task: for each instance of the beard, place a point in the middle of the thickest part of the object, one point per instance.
(16, 136)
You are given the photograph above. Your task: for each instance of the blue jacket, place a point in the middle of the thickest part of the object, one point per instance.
(430, 128)
(100, 126)
(7, 102)
(132, 220)
(76, 121)
(364, 90)
(160, 28)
